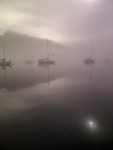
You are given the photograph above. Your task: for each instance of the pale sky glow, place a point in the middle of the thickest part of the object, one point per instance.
(91, 0)
(63, 21)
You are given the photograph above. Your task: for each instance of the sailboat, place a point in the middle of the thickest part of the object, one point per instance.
(46, 61)
(89, 61)
(4, 63)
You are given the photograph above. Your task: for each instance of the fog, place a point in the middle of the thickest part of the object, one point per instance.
(56, 74)
(63, 21)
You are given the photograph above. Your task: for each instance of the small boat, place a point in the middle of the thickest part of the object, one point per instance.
(3, 62)
(89, 61)
(47, 61)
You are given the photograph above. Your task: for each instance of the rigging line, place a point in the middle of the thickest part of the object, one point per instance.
(51, 51)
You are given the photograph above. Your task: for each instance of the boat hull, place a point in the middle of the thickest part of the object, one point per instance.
(89, 61)
(5, 64)
(49, 62)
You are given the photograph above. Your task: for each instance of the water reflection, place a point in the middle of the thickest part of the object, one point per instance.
(50, 75)
(91, 71)
(92, 125)
(4, 83)
(22, 77)
(71, 110)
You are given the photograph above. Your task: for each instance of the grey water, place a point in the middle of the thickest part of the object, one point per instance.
(66, 105)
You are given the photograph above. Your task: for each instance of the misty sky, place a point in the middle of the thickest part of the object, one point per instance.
(65, 21)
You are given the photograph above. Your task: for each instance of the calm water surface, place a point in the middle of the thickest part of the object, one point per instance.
(59, 106)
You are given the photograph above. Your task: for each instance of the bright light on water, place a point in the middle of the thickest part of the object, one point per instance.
(92, 125)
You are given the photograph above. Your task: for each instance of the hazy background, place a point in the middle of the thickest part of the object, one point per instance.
(70, 26)
(63, 104)
(64, 21)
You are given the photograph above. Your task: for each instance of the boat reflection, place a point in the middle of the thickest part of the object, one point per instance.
(20, 77)
(4, 84)
(48, 67)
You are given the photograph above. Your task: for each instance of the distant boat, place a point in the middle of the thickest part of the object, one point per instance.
(3, 62)
(90, 60)
(47, 61)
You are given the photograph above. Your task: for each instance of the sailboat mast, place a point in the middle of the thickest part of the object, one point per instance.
(3, 50)
(47, 50)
